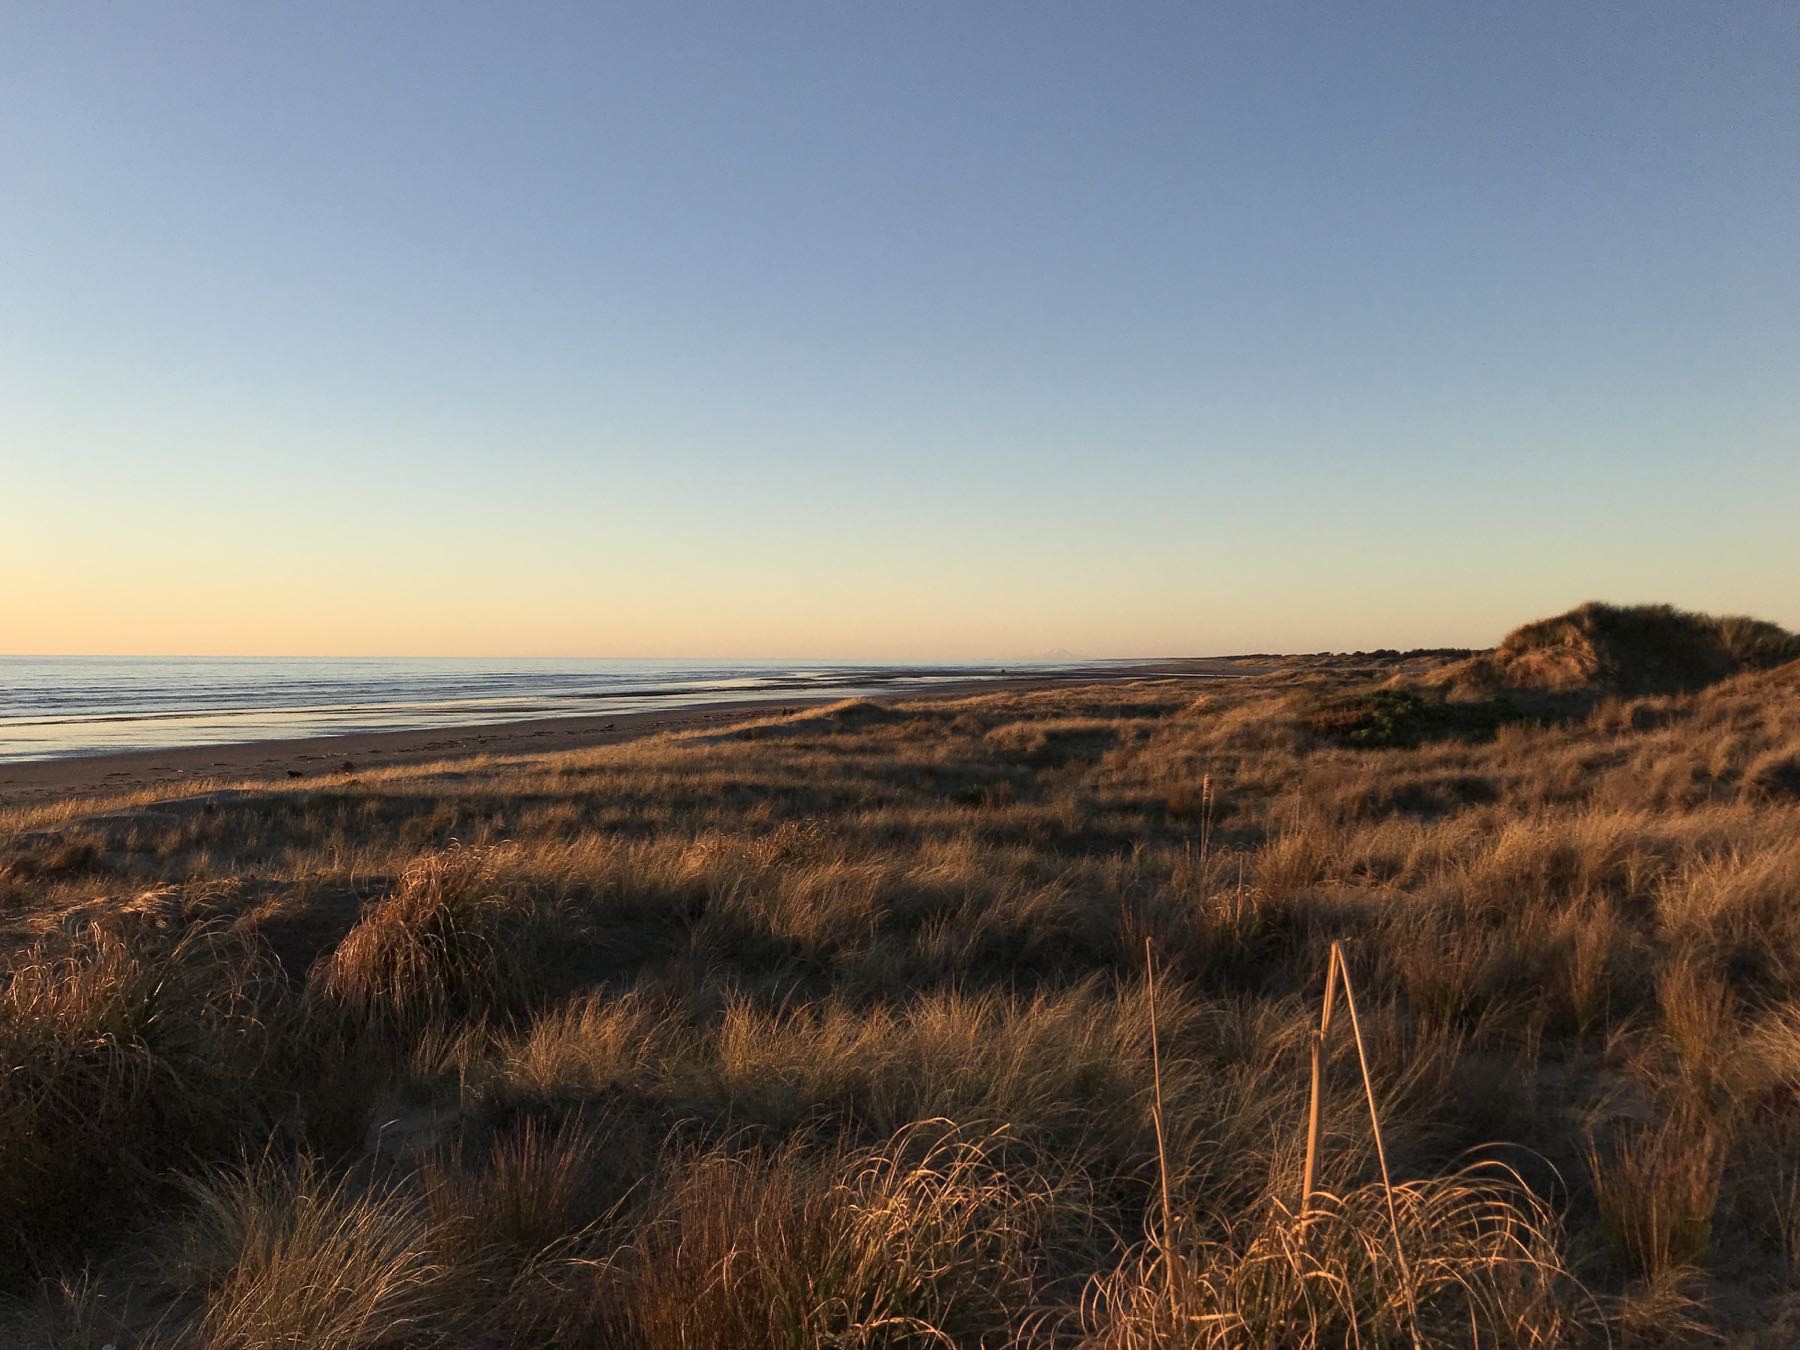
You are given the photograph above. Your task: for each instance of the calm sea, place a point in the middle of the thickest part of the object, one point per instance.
(66, 705)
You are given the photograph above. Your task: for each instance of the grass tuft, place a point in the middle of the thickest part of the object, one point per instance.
(120, 1055)
(457, 935)
(1657, 1188)
(280, 1255)
(1482, 1266)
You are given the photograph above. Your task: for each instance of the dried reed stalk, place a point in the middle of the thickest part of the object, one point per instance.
(1156, 1118)
(1316, 1104)
(1335, 968)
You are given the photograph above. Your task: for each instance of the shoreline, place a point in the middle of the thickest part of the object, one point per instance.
(33, 782)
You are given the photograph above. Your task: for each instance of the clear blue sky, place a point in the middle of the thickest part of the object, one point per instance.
(902, 329)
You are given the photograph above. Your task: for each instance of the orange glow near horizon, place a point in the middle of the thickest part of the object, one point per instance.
(878, 334)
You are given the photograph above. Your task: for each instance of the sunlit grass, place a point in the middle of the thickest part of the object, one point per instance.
(834, 1029)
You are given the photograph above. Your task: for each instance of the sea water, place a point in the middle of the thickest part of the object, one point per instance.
(52, 706)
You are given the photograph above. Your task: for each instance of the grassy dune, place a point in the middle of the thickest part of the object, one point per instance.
(839, 1029)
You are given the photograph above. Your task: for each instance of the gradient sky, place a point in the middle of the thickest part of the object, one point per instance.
(890, 329)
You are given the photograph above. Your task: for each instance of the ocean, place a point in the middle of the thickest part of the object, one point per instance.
(51, 706)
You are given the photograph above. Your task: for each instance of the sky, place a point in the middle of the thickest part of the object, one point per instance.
(899, 330)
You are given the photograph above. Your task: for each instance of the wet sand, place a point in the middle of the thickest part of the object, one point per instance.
(26, 782)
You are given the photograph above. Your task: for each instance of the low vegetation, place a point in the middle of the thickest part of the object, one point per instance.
(973, 1021)
(1624, 650)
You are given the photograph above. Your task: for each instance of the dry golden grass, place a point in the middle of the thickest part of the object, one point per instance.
(835, 1029)
(1636, 649)
(1657, 1187)
(930, 1239)
(119, 1056)
(456, 937)
(1471, 1256)
(281, 1255)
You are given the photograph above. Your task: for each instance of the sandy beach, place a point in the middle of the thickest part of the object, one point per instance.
(23, 782)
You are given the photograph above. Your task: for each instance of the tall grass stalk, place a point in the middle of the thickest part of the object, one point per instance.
(1336, 969)
(1156, 1118)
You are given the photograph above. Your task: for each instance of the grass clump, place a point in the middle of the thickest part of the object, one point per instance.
(121, 1055)
(537, 1187)
(1477, 1261)
(457, 935)
(1657, 1188)
(1774, 776)
(1401, 718)
(927, 1240)
(280, 1255)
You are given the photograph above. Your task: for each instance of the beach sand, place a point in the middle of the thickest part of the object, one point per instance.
(26, 782)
